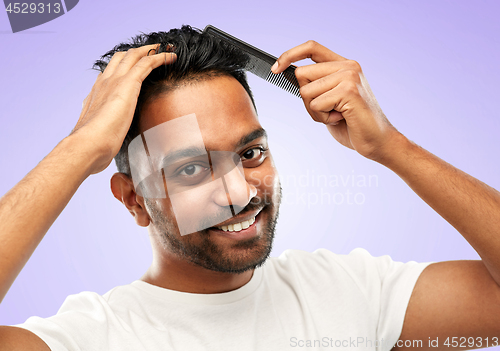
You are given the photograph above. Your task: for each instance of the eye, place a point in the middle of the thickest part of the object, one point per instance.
(251, 154)
(192, 170)
(253, 157)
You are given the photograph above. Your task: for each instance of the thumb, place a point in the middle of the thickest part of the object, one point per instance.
(334, 118)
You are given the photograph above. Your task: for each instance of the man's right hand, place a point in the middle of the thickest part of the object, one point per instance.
(30, 208)
(109, 108)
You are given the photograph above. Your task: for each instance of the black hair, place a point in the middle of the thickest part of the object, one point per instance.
(199, 57)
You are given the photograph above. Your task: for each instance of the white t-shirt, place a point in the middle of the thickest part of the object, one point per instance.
(299, 300)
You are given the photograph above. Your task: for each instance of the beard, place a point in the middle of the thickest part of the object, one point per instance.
(200, 248)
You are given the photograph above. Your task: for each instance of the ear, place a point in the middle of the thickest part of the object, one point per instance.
(122, 188)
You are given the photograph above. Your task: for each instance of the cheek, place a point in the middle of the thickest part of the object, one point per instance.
(199, 208)
(162, 206)
(160, 211)
(265, 177)
(189, 203)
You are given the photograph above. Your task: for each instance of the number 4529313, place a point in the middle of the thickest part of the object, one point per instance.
(471, 342)
(24, 7)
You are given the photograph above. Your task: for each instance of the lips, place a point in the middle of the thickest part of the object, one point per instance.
(239, 219)
(243, 234)
(236, 227)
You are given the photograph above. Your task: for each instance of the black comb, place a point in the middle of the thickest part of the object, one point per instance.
(260, 62)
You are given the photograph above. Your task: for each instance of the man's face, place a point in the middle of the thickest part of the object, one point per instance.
(251, 194)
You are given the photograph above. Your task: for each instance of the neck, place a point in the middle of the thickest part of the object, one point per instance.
(182, 275)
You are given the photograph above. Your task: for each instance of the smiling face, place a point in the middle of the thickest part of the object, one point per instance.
(241, 193)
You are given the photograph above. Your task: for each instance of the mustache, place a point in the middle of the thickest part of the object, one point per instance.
(255, 204)
(251, 207)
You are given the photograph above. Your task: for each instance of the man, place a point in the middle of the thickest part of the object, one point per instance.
(214, 288)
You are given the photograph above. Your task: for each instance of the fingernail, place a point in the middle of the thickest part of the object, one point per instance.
(275, 66)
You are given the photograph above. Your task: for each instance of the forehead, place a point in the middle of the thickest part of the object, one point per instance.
(223, 109)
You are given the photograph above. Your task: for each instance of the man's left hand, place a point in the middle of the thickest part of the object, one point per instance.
(335, 92)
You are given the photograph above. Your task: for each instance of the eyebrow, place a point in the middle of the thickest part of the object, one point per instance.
(176, 155)
(196, 151)
(257, 133)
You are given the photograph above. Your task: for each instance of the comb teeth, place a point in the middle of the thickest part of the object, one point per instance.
(285, 80)
(260, 63)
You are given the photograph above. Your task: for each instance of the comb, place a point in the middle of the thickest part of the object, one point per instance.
(260, 62)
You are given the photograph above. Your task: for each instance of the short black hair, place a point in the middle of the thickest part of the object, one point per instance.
(199, 57)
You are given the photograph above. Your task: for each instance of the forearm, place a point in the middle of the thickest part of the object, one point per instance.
(469, 205)
(28, 210)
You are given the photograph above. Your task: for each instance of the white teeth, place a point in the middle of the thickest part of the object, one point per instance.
(236, 227)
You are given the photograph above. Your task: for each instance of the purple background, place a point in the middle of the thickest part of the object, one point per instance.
(433, 67)
(28, 15)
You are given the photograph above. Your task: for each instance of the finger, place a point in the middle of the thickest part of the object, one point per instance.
(132, 57)
(330, 107)
(147, 63)
(115, 60)
(340, 133)
(320, 86)
(310, 49)
(310, 73)
(313, 90)
(118, 57)
(85, 101)
(85, 105)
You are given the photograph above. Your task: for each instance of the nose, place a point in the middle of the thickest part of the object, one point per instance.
(240, 192)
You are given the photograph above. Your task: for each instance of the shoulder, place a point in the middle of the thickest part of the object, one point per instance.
(299, 261)
(89, 302)
(357, 269)
(358, 259)
(82, 319)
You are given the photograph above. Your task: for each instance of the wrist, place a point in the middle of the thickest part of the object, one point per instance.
(79, 152)
(395, 150)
